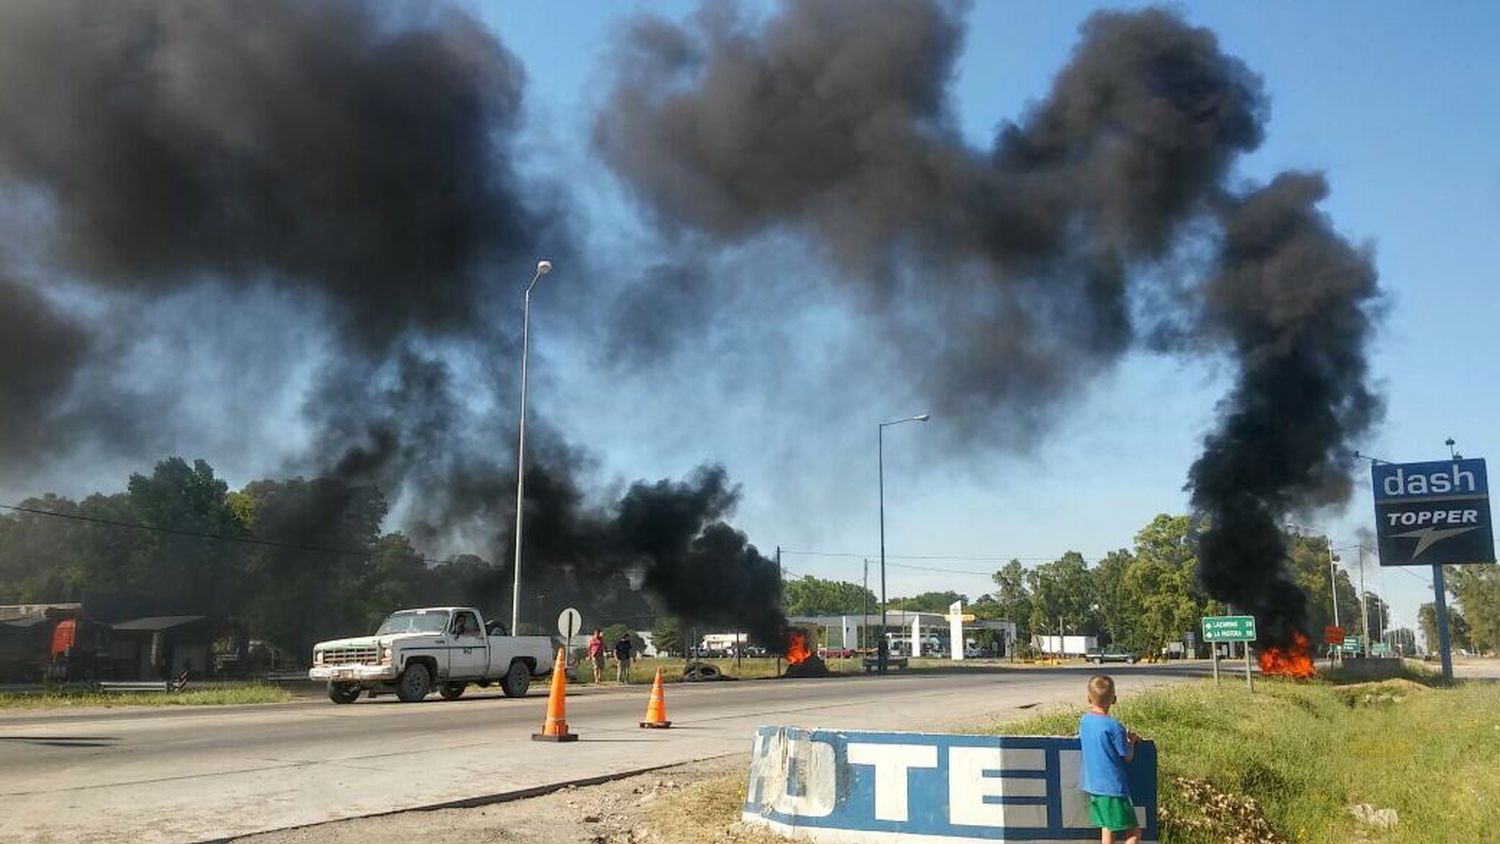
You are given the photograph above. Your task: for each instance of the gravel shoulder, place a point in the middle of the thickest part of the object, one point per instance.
(682, 803)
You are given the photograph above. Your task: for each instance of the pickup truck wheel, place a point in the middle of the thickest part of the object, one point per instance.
(452, 691)
(343, 692)
(517, 680)
(415, 683)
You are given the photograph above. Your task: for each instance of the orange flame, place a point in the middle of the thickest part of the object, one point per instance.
(796, 649)
(1295, 661)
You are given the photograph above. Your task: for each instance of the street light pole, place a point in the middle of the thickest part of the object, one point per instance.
(1333, 580)
(864, 622)
(882, 645)
(542, 268)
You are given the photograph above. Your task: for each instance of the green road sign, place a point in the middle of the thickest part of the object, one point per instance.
(1380, 649)
(1351, 643)
(1229, 628)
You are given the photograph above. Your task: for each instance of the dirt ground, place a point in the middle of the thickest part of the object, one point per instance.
(679, 804)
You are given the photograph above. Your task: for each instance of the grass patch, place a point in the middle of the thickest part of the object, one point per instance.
(1304, 755)
(207, 696)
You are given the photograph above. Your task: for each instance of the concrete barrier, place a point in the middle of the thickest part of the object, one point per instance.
(837, 786)
(1371, 668)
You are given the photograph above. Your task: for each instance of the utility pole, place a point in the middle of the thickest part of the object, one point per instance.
(864, 622)
(1364, 600)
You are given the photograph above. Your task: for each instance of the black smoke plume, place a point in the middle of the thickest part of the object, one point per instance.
(39, 351)
(356, 157)
(1008, 278)
(1291, 298)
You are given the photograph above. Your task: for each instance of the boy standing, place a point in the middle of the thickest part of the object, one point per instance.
(1107, 747)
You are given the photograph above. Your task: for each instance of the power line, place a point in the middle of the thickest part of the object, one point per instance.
(928, 557)
(199, 534)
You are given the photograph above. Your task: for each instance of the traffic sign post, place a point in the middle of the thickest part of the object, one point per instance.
(1434, 514)
(1333, 637)
(569, 623)
(1230, 628)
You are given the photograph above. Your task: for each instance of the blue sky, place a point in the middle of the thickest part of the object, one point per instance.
(1398, 103)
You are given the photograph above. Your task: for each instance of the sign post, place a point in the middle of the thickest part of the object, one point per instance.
(1434, 514)
(1333, 637)
(569, 622)
(1230, 628)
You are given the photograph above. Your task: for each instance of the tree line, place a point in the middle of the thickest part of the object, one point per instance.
(1140, 597)
(287, 562)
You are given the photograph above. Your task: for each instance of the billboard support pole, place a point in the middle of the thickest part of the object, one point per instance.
(1440, 603)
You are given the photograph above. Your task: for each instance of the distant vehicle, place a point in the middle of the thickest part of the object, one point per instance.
(836, 653)
(973, 653)
(1112, 653)
(416, 651)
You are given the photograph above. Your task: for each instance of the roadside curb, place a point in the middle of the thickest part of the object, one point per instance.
(484, 800)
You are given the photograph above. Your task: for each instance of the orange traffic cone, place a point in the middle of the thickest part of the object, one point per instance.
(555, 728)
(656, 710)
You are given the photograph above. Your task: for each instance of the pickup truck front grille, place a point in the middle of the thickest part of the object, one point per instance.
(351, 656)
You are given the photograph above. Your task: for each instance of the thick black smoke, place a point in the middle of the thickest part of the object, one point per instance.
(1003, 271)
(39, 351)
(356, 157)
(355, 150)
(1010, 277)
(1292, 298)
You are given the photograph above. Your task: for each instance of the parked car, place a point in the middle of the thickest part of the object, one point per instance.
(1112, 653)
(836, 653)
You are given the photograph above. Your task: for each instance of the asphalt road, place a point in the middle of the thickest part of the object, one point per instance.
(174, 775)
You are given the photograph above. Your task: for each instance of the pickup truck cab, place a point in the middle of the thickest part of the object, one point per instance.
(416, 651)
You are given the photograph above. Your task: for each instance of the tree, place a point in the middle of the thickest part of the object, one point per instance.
(1377, 612)
(1405, 640)
(810, 595)
(613, 633)
(928, 602)
(666, 636)
(1161, 583)
(1013, 598)
(1307, 557)
(1477, 590)
(1458, 627)
(1061, 591)
(1118, 610)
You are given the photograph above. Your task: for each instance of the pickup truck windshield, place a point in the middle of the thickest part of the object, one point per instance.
(411, 621)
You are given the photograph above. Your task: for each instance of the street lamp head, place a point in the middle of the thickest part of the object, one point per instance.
(922, 418)
(543, 267)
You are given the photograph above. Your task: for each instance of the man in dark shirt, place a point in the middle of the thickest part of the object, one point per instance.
(622, 656)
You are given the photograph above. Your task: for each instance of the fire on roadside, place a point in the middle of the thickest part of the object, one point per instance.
(1294, 661)
(796, 649)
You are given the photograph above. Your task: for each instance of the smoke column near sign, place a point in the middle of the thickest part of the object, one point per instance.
(1104, 219)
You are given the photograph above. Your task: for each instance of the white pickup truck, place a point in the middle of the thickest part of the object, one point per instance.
(444, 648)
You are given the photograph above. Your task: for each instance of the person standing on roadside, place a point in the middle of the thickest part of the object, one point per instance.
(1107, 748)
(622, 657)
(596, 655)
